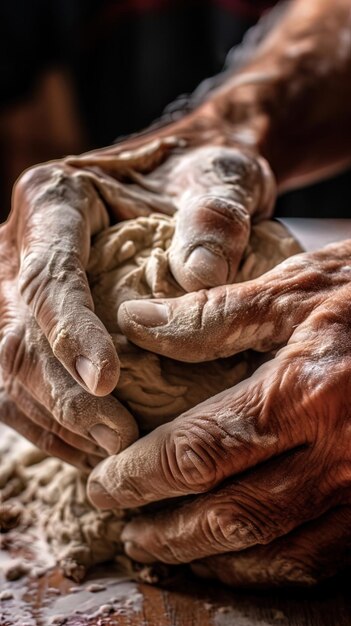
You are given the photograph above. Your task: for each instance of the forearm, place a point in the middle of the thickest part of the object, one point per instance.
(292, 100)
(290, 103)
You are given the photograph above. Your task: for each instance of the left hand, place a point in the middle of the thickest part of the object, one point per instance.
(268, 456)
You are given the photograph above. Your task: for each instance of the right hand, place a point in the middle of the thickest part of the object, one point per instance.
(54, 351)
(246, 452)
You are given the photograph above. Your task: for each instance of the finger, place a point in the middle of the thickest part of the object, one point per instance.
(210, 237)
(37, 414)
(308, 555)
(223, 436)
(59, 212)
(256, 509)
(47, 441)
(220, 189)
(27, 361)
(260, 314)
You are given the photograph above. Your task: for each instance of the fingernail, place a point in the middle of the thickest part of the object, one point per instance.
(88, 372)
(106, 438)
(149, 314)
(99, 496)
(137, 553)
(210, 268)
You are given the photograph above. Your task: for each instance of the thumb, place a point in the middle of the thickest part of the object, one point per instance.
(223, 188)
(260, 314)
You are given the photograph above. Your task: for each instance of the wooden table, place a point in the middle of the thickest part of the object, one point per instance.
(182, 602)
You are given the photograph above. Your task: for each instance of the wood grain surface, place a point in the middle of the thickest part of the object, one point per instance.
(185, 601)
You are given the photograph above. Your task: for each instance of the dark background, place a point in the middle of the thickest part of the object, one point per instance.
(76, 74)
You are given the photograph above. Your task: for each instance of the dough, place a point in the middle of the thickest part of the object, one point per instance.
(127, 261)
(51, 506)
(130, 261)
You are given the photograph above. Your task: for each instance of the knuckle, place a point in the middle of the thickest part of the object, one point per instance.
(45, 182)
(169, 551)
(72, 409)
(44, 265)
(31, 178)
(240, 520)
(238, 169)
(248, 177)
(234, 529)
(231, 162)
(45, 274)
(131, 491)
(190, 461)
(229, 210)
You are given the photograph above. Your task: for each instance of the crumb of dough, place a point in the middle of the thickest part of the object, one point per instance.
(17, 569)
(106, 609)
(59, 620)
(95, 588)
(6, 595)
(10, 515)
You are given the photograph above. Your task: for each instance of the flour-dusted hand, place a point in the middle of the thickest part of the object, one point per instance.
(268, 455)
(215, 186)
(54, 351)
(218, 190)
(279, 112)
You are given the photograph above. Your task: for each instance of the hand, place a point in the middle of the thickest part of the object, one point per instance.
(267, 456)
(54, 351)
(214, 190)
(217, 190)
(310, 554)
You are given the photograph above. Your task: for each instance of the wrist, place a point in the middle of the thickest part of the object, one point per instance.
(290, 103)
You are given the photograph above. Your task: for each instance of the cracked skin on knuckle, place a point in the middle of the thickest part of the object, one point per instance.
(192, 464)
(229, 528)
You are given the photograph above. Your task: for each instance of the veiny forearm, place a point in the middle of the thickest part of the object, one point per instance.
(292, 100)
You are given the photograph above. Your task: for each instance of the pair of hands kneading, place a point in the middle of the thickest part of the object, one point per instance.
(55, 351)
(266, 438)
(265, 464)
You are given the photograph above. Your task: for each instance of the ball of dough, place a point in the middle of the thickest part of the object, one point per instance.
(130, 261)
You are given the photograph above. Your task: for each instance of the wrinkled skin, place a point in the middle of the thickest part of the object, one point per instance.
(290, 103)
(54, 350)
(267, 464)
(264, 458)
